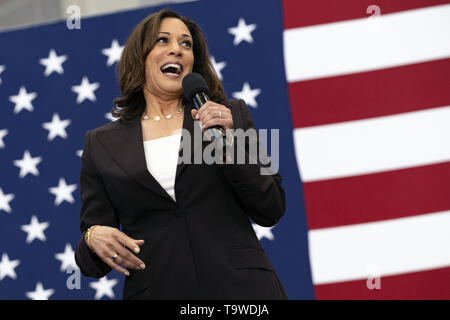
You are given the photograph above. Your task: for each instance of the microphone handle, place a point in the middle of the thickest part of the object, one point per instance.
(216, 132)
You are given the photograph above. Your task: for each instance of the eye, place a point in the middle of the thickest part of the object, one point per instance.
(187, 43)
(161, 40)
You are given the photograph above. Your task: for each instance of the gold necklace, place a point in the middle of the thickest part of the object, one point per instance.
(169, 116)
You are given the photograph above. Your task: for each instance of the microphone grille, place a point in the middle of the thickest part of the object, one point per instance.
(194, 83)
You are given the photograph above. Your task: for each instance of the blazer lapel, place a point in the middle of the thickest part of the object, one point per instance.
(125, 145)
(188, 135)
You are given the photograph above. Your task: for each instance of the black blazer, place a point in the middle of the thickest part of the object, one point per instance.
(200, 247)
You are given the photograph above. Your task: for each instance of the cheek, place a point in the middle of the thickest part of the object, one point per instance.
(151, 74)
(191, 63)
(153, 70)
(151, 63)
(148, 67)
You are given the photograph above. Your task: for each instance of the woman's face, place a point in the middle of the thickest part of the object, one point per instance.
(171, 58)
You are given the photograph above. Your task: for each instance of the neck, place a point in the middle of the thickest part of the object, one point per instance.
(160, 105)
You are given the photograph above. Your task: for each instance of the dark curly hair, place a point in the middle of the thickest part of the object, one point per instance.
(131, 67)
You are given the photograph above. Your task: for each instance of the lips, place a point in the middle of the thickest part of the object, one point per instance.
(172, 69)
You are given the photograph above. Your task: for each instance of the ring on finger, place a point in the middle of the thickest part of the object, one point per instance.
(220, 114)
(114, 257)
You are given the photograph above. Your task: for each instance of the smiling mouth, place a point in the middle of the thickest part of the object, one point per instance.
(172, 69)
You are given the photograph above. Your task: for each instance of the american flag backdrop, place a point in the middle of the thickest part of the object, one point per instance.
(360, 91)
(369, 100)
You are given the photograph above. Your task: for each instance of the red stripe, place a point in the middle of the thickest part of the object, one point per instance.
(375, 197)
(312, 12)
(425, 285)
(370, 94)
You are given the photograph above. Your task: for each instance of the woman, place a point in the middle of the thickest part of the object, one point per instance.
(185, 228)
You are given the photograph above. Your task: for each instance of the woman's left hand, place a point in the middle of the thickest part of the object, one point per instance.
(213, 114)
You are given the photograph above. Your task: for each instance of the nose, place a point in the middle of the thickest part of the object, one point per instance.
(175, 49)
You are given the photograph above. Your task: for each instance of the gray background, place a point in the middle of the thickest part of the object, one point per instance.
(23, 13)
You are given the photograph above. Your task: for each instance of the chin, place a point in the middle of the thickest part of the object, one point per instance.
(173, 88)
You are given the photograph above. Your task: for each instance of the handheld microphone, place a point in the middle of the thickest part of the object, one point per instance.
(196, 89)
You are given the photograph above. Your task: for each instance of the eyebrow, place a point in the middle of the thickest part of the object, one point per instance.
(168, 33)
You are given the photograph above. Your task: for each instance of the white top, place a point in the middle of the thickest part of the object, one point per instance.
(161, 156)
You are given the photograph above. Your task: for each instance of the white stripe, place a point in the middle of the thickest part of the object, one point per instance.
(367, 44)
(373, 145)
(380, 248)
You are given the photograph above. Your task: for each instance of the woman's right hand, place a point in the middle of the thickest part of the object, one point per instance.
(107, 242)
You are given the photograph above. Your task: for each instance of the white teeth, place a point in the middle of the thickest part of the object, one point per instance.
(173, 65)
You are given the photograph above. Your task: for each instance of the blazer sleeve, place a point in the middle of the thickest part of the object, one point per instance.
(261, 194)
(96, 209)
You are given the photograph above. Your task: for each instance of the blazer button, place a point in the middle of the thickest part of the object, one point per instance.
(178, 213)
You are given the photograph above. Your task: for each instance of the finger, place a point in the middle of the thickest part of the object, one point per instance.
(128, 259)
(194, 113)
(212, 123)
(107, 258)
(122, 262)
(224, 123)
(205, 107)
(139, 242)
(128, 242)
(212, 113)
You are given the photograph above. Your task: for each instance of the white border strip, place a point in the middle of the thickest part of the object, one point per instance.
(373, 145)
(380, 248)
(367, 44)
